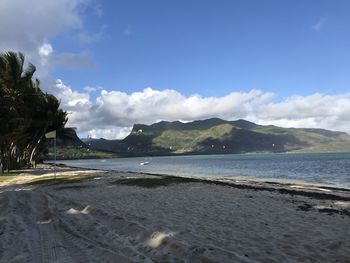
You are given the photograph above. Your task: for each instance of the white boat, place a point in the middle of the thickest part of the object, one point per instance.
(144, 163)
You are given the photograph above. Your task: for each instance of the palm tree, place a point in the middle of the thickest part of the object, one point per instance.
(26, 113)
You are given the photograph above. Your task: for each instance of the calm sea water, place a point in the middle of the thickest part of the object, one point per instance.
(332, 169)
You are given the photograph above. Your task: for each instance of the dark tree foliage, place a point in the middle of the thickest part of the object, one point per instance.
(26, 113)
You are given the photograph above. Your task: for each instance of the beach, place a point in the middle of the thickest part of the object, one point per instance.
(103, 216)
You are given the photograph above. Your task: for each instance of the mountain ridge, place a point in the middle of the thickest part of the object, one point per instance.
(218, 136)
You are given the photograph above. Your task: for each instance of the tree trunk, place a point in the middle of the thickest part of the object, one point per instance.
(33, 154)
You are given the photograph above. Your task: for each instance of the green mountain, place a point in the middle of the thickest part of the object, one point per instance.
(69, 146)
(217, 136)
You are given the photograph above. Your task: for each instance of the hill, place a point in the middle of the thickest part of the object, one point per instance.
(217, 136)
(69, 146)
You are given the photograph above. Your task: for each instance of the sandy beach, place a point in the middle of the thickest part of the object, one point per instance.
(100, 216)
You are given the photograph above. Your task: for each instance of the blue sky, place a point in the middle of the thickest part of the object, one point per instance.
(116, 63)
(214, 47)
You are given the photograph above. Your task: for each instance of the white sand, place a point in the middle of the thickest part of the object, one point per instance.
(184, 222)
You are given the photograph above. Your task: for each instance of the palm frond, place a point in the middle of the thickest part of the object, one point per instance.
(29, 72)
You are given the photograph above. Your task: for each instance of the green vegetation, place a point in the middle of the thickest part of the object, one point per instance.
(52, 180)
(216, 136)
(176, 140)
(26, 114)
(316, 140)
(6, 178)
(186, 140)
(71, 153)
(9, 176)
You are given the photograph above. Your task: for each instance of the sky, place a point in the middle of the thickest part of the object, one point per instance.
(116, 63)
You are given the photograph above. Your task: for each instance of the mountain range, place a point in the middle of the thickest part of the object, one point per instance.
(217, 136)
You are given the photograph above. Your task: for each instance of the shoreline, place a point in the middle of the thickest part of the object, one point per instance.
(262, 185)
(291, 175)
(317, 191)
(97, 215)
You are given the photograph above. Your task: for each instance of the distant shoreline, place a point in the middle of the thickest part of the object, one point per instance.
(123, 155)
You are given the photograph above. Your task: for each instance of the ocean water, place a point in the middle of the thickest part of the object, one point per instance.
(331, 169)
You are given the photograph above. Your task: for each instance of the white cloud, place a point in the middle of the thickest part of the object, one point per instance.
(113, 112)
(110, 132)
(77, 104)
(151, 105)
(68, 97)
(33, 21)
(300, 107)
(39, 20)
(90, 89)
(318, 26)
(45, 49)
(27, 26)
(314, 111)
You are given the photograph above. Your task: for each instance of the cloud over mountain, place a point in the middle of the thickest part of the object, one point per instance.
(112, 113)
